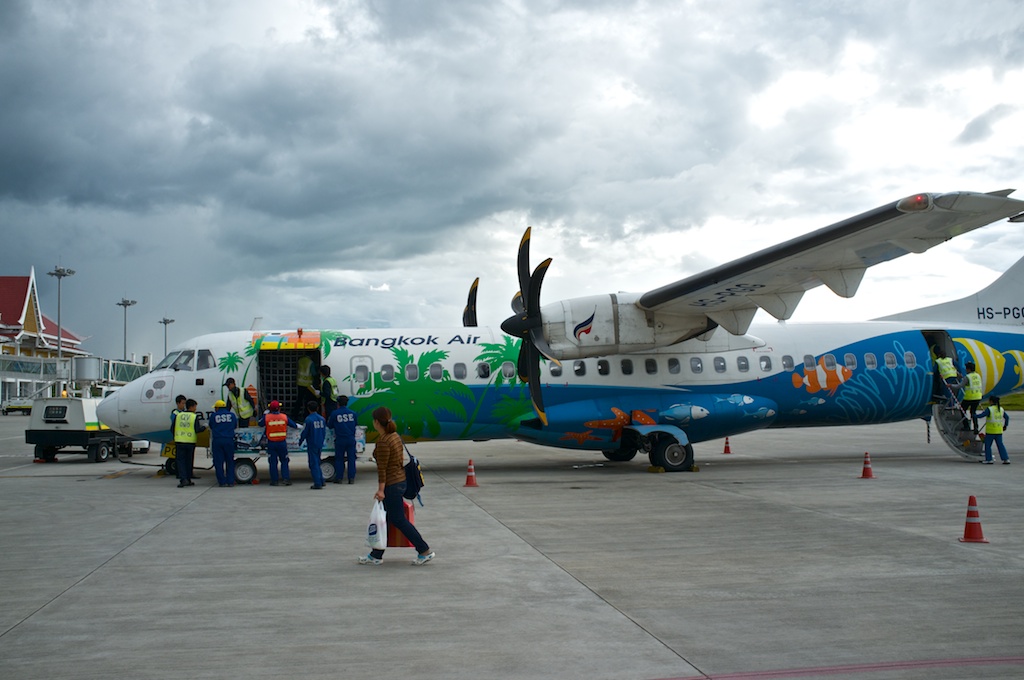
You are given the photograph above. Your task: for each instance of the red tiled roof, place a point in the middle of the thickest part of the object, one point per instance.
(50, 328)
(13, 295)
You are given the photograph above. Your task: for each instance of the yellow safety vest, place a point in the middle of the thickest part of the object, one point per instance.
(185, 427)
(946, 368)
(334, 387)
(240, 405)
(304, 374)
(973, 391)
(994, 424)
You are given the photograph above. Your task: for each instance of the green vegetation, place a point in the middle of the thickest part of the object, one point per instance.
(1012, 402)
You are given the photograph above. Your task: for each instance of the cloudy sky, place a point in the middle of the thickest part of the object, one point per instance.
(343, 164)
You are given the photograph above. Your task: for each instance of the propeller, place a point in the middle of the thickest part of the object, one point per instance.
(526, 324)
(469, 313)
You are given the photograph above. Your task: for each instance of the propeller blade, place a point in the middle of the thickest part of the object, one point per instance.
(533, 294)
(518, 306)
(469, 313)
(524, 262)
(535, 392)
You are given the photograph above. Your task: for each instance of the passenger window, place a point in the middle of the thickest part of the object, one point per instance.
(673, 366)
(850, 360)
(603, 367)
(387, 372)
(696, 365)
(910, 359)
(809, 362)
(870, 362)
(460, 371)
(436, 371)
(651, 366)
(743, 364)
(183, 362)
(766, 363)
(890, 360)
(627, 367)
(719, 364)
(362, 374)
(483, 370)
(205, 360)
(579, 367)
(787, 362)
(830, 362)
(556, 370)
(508, 369)
(412, 372)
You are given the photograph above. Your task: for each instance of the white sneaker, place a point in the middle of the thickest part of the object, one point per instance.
(370, 559)
(422, 559)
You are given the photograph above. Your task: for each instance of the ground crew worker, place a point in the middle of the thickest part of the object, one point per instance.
(996, 422)
(948, 373)
(222, 443)
(186, 427)
(277, 424)
(328, 390)
(972, 395)
(343, 421)
(240, 401)
(313, 433)
(179, 405)
(305, 376)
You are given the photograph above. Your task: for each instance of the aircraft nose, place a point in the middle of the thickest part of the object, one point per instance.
(108, 411)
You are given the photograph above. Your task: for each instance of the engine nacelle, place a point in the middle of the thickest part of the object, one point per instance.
(600, 325)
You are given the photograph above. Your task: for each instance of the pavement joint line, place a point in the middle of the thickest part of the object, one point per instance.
(99, 566)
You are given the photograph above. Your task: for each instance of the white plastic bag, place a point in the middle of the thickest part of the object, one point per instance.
(377, 531)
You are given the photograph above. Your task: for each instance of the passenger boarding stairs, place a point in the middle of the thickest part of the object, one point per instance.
(949, 420)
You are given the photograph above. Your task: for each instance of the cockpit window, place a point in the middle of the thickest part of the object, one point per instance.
(206, 360)
(184, 361)
(167, 360)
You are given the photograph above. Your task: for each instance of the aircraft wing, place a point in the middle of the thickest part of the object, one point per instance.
(837, 256)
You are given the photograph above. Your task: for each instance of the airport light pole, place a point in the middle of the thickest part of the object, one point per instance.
(126, 303)
(165, 321)
(60, 273)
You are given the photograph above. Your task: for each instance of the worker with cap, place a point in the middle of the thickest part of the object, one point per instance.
(185, 428)
(222, 442)
(277, 424)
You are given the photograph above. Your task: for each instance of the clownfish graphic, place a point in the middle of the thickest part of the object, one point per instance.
(822, 379)
(584, 327)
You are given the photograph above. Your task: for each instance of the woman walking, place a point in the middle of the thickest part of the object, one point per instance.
(390, 487)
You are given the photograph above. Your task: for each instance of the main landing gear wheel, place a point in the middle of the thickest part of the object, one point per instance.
(245, 471)
(669, 454)
(619, 456)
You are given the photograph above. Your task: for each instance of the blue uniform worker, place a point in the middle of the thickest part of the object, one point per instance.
(313, 432)
(343, 421)
(277, 424)
(222, 442)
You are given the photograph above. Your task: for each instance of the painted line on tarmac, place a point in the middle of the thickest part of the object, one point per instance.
(861, 668)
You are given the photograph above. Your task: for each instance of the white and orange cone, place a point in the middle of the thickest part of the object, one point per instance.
(471, 475)
(972, 528)
(867, 473)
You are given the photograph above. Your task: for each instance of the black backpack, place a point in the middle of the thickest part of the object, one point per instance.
(413, 477)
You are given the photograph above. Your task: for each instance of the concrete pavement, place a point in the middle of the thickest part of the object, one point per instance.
(777, 560)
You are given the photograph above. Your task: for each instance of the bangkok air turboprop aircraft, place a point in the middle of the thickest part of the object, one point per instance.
(654, 372)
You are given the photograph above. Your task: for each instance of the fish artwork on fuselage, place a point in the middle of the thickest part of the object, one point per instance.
(656, 372)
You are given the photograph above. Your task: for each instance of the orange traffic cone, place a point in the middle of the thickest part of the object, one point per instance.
(727, 449)
(471, 475)
(867, 473)
(972, 529)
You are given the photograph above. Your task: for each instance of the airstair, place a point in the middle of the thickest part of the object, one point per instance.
(949, 421)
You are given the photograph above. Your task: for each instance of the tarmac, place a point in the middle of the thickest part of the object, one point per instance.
(777, 560)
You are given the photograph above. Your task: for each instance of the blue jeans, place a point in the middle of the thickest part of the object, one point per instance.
(314, 466)
(223, 451)
(184, 454)
(344, 451)
(396, 518)
(989, 438)
(278, 452)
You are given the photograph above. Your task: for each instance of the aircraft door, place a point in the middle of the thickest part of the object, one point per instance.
(360, 378)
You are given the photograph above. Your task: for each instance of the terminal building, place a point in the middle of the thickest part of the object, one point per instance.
(29, 363)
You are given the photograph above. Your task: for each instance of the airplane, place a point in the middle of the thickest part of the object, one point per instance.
(651, 373)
